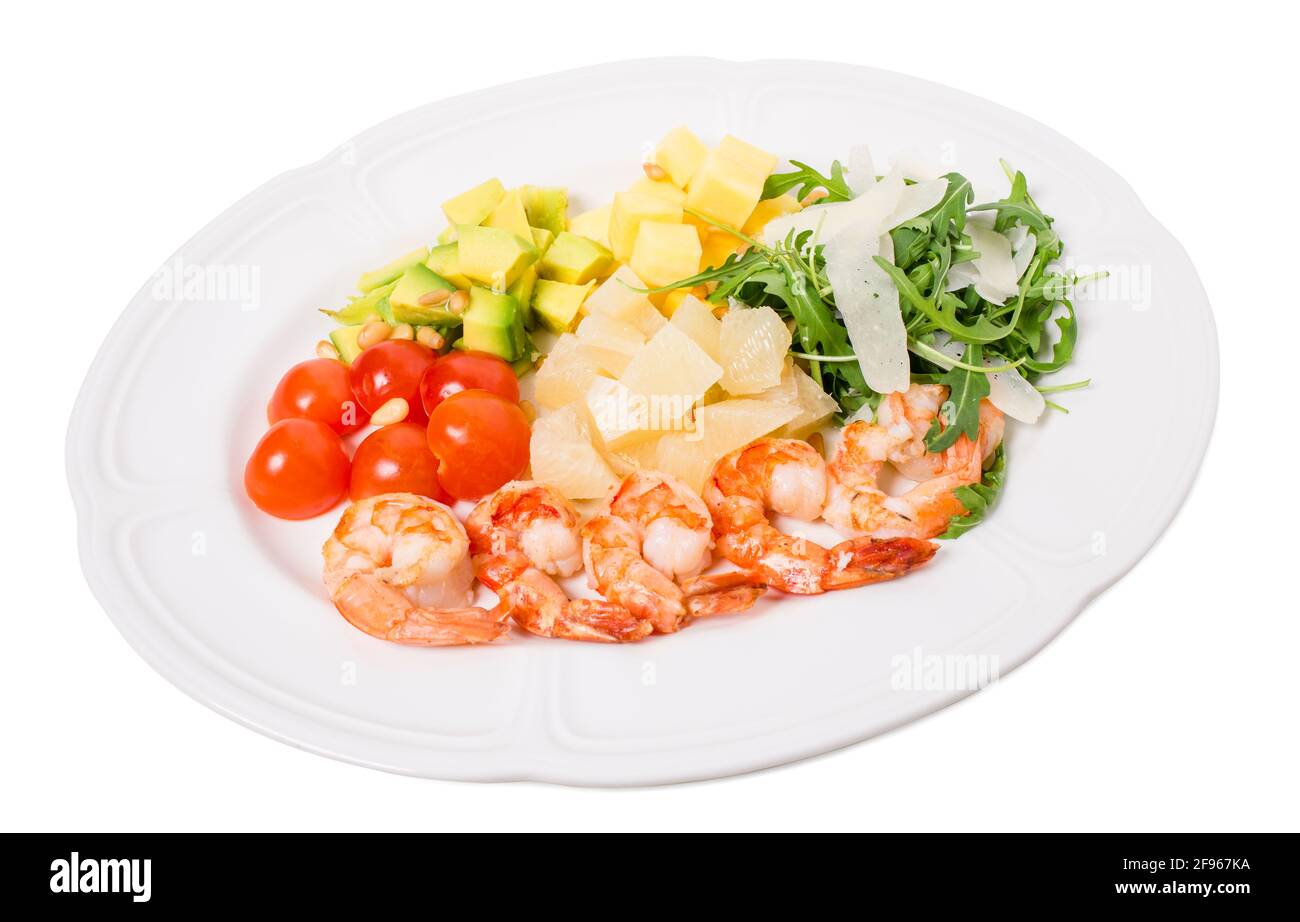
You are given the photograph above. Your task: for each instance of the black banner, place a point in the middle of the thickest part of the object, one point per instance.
(1218, 872)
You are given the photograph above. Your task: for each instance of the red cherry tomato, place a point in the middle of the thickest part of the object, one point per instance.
(481, 440)
(463, 371)
(396, 459)
(318, 389)
(298, 470)
(391, 369)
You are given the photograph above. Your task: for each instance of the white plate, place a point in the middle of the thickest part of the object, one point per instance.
(227, 603)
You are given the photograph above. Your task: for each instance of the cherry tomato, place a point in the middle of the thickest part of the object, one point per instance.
(318, 389)
(298, 470)
(481, 440)
(396, 459)
(391, 369)
(463, 371)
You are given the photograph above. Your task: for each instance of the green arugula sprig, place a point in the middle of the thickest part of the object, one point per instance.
(806, 179)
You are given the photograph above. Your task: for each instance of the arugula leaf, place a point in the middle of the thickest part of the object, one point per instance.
(978, 498)
(807, 179)
(1063, 350)
(961, 411)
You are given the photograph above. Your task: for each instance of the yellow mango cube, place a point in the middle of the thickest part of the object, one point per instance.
(594, 224)
(768, 209)
(665, 190)
(680, 154)
(664, 253)
(724, 189)
(632, 208)
(716, 246)
(755, 159)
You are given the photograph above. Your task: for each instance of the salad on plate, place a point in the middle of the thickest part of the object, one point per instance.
(646, 390)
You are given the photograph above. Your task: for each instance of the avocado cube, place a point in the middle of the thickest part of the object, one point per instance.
(448, 235)
(473, 206)
(392, 271)
(510, 215)
(445, 261)
(542, 239)
(493, 256)
(494, 324)
(575, 260)
(415, 283)
(522, 291)
(546, 207)
(594, 224)
(556, 304)
(345, 341)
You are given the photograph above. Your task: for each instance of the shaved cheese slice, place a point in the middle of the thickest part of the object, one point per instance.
(997, 272)
(961, 276)
(915, 201)
(915, 166)
(1023, 247)
(862, 171)
(1008, 390)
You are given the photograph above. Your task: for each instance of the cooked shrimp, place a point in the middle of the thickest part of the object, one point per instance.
(397, 567)
(788, 476)
(525, 534)
(652, 531)
(858, 506)
(906, 418)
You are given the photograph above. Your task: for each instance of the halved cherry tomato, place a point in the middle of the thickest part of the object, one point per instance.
(298, 470)
(463, 371)
(396, 459)
(318, 389)
(391, 369)
(481, 440)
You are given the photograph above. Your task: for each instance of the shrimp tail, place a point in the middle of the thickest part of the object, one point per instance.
(540, 606)
(371, 605)
(722, 593)
(863, 561)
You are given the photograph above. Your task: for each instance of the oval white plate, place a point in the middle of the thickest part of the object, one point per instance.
(227, 604)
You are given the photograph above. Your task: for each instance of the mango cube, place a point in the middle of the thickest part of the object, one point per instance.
(680, 153)
(665, 190)
(473, 206)
(632, 208)
(725, 189)
(575, 260)
(716, 246)
(664, 253)
(755, 159)
(768, 209)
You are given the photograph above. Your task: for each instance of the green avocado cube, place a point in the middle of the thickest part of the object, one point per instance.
(445, 260)
(448, 235)
(391, 272)
(415, 283)
(494, 324)
(575, 260)
(345, 341)
(474, 205)
(510, 215)
(493, 256)
(542, 239)
(556, 304)
(522, 291)
(547, 208)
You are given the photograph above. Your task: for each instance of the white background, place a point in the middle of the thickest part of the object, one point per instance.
(1169, 704)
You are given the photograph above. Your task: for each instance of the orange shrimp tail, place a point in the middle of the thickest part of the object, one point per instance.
(888, 555)
(372, 606)
(540, 606)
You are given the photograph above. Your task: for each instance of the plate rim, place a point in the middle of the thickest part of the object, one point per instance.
(576, 768)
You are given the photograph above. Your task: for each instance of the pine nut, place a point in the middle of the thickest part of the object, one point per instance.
(428, 336)
(458, 303)
(325, 350)
(530, 411)
(393, 411)
(373, 333)
(654, 171)
(437, 296)
(813, 197)
(403, 331)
